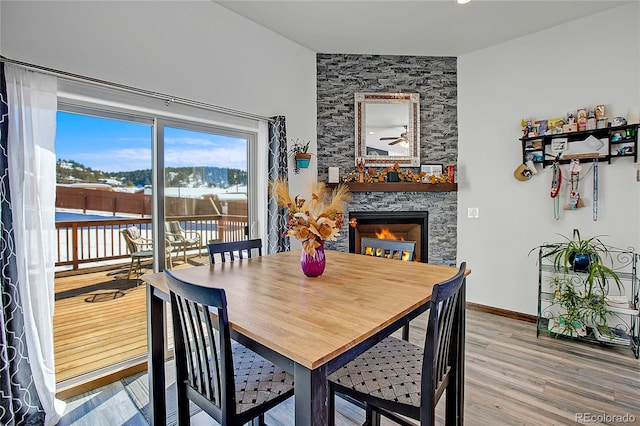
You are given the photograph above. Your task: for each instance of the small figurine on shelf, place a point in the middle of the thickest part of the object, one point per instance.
(527, 127)
(555, 125)
(360, 166)
(582, 119)
(591, 120)
(570, 118)
(542, 128)
(619, 121)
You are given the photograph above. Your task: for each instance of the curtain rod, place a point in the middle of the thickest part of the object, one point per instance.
(168, 99)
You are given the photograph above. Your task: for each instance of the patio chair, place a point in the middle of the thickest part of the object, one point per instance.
(178, 237)
(391, 249)
(230, 382)
(240, 249)
(141, 248)
(396, 378)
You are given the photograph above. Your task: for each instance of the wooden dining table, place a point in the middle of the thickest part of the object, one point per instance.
(309, 326)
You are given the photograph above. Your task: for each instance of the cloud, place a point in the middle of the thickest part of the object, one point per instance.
(182, 149)
(118, 160)
(190, 141)
(231, 157)
(128, 159)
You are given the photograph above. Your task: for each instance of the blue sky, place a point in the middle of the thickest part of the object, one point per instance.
(112, 145)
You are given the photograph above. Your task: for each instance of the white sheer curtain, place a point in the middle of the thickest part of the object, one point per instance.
(31, 151)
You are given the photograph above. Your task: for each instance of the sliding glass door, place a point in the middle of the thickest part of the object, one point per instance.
(206, 189)
(175, 184)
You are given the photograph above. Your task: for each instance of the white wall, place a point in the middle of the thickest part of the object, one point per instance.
(191, 49)
(583, 63)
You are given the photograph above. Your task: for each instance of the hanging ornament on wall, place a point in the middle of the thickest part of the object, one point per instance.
(595, 189)
(556, 182)
(575, 201)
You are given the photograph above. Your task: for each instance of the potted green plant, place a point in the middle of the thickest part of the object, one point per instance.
(590, 256)
(300, 153)
(582, 274)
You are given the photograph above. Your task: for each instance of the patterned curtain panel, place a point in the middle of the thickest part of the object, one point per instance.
(276, 219)
(19, 403)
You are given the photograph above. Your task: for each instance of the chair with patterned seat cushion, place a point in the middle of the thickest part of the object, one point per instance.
(396, 378)
(231, 383)
(390, 249)
(234, 249)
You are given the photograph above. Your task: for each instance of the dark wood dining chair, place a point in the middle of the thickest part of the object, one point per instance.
(391, 249)
(396, 378)
(240, 249)
(231, 383)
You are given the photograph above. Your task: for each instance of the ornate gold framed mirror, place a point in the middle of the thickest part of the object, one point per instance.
(388, 129)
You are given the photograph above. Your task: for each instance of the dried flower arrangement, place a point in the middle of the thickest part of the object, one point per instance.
(315, 220)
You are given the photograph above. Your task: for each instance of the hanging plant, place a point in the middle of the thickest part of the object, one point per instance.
(301, 156)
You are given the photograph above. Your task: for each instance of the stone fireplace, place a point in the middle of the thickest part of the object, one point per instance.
(439, 246)
(339, 76)
(401, 225)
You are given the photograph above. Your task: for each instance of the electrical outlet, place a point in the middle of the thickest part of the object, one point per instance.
(473, 212)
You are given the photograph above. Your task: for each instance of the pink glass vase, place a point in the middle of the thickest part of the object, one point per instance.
(313, 266)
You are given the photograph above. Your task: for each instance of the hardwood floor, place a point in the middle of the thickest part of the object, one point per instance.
(514, 378)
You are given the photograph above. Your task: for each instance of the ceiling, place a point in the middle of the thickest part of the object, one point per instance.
(420, 28)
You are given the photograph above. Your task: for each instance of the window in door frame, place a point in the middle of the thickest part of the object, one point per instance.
(159, 181)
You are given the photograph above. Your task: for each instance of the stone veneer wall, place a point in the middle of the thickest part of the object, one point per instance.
(435, 78)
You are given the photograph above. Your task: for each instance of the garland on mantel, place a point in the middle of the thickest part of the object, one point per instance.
(393, 174)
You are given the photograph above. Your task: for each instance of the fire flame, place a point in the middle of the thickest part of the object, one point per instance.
(386, 234)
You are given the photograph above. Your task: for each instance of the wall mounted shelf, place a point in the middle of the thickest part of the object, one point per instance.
(398, 187)
(625, 144)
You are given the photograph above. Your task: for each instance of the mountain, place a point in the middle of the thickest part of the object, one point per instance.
(188, 177)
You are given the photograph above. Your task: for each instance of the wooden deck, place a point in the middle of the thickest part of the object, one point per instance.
(100, 319)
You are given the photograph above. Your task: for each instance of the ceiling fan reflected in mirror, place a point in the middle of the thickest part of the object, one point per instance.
(397, 139)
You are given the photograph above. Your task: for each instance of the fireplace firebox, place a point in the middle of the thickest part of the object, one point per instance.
(401, 225)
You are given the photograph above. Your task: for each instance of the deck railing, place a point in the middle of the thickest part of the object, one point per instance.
(97, 241)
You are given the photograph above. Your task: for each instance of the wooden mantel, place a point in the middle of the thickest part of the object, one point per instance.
(398, 187)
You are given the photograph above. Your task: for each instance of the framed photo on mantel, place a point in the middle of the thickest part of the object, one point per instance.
(431, 169)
